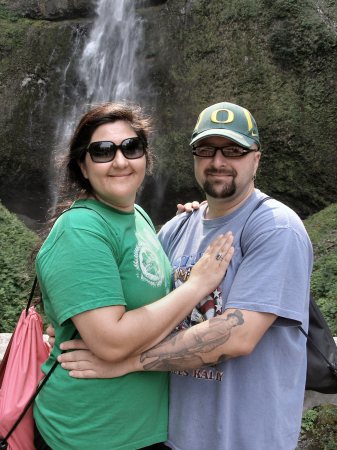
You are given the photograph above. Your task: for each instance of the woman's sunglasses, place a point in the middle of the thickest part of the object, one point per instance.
(105, 151)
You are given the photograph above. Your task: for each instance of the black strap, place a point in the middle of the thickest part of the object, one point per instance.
(31, 295)
(181, 225)
(258, 204)
(144, 216)
(331, 366)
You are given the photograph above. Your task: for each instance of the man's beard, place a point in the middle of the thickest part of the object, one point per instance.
(210, 188)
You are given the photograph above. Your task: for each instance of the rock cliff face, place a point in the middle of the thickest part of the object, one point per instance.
(34, 54)
(50, 10)
(276, 57)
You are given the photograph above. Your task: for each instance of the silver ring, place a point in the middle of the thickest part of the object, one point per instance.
(219, 257)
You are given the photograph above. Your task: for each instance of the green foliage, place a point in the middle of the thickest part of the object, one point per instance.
(16, 273)
(319, 428)
(308, 420)
(322, 228)
(8, 15)
(12, 36)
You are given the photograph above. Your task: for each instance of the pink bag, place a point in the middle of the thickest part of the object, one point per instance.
(20, 374)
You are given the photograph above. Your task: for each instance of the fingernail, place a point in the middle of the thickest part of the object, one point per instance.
(61, 347)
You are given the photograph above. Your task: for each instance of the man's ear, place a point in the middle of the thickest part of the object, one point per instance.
(258, 156)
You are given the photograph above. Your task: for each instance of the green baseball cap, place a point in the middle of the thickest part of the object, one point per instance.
(227, 120)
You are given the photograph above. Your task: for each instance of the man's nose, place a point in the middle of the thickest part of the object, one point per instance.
(219, 158)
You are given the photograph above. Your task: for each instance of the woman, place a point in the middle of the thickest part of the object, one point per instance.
(102, 272)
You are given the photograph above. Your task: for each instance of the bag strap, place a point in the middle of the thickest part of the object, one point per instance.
(183, 222)
(137, 208)
(331, 366)
(31, 295)
(258, 204)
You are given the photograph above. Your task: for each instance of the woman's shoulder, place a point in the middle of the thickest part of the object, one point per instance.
(142, 213)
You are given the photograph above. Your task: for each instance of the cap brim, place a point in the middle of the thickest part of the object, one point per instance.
(240, 139)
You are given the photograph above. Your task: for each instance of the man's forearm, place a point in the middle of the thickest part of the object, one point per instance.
(234, 333)
(192, 348)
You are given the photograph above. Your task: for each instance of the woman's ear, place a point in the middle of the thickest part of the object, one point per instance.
(83, 168)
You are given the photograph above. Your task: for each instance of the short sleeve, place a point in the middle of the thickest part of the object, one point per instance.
(80, 273)
(274, 275)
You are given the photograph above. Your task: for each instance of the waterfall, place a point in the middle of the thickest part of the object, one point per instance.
(108, 66)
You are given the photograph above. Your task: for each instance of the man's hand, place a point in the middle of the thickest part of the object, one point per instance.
(51, 335)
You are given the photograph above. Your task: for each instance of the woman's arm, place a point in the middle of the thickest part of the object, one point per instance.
(113, 334)
(234, 333)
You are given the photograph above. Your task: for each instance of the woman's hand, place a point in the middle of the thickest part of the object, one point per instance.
(82, 363)
(189, 206)
(209, 271)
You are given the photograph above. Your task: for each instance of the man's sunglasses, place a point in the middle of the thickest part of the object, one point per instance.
(105, 151)
(208, 151)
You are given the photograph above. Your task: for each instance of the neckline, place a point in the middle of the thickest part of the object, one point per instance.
(104, 206)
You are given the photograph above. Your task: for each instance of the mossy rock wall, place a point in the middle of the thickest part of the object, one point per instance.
(277, 58)
(33, 88)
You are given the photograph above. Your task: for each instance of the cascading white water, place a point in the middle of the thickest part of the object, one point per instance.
(108, 65)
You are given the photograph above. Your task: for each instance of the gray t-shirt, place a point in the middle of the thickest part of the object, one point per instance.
(251, 402)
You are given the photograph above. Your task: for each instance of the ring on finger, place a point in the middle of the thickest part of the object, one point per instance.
(219, 257)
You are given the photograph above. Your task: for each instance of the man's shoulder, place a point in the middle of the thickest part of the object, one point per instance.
(177, 225)
(273, 212)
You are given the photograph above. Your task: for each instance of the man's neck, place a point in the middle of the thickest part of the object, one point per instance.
(218, 207)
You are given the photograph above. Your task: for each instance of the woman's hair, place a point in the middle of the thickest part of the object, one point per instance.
(72, 183)
(74, 180)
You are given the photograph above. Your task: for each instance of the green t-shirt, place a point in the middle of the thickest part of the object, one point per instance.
(93, 259)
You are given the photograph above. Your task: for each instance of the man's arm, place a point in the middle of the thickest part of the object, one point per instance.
(234, 333)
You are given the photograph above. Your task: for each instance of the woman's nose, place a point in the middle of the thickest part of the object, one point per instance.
(119, 159)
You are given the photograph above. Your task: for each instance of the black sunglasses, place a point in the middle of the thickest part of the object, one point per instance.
(209, 151)
(105, 151)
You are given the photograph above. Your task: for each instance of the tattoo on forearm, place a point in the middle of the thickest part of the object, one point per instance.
(175, 352)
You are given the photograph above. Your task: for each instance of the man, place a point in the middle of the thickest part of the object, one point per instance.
(238, 377)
